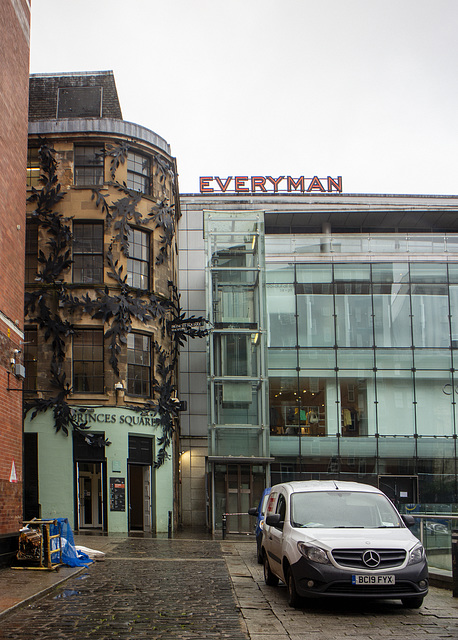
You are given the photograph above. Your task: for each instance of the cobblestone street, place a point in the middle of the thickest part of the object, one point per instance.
(268, 616)
(150, 589)
(145, 589)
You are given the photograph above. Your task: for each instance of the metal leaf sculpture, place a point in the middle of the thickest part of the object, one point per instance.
(118, 154)
(64, 415)
(116, 310)
(121, 213)
(164, 217)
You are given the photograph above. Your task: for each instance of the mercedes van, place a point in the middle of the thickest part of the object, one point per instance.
(346, 539)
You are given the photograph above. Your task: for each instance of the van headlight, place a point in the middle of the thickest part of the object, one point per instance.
(416, 554)
(314, 554)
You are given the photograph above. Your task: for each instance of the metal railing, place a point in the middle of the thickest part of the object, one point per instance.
(224, 522)
(433, 530)
(440, 542)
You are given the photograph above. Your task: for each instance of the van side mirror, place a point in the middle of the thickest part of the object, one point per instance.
(253, 512)
(408, 520)
(274, 520)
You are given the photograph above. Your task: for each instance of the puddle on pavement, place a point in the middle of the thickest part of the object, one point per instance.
(67, 593)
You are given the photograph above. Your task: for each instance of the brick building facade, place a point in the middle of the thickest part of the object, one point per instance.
(14, 53)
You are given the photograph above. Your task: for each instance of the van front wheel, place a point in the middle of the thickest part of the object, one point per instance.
(294, 600)
(270, 578)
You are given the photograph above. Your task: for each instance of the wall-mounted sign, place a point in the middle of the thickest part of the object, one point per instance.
(117, 494)
(90, 417)
(268, 184)
(13, 476)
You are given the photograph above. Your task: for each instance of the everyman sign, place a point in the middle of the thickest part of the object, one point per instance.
(268, 184)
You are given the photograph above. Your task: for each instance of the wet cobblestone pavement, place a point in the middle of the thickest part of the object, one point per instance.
(145, 589)
(203, 589)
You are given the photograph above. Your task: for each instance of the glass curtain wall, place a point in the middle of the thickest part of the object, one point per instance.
(361, 359)
(237, 343)
(237, 373)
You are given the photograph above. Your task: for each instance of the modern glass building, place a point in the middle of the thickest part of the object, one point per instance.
(236, 364)
(332, 352)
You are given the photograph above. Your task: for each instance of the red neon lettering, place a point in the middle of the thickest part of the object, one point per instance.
(204, 186)
(333, 183)
(224, 186)
(240, 183)
(295, 184)
(275, 182)
(258, 181)
(315, 185)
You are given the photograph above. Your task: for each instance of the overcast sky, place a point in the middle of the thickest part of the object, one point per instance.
(363, 89)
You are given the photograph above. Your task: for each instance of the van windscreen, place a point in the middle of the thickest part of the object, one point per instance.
(342, 509)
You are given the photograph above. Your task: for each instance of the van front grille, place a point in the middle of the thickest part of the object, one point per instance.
(354, 558)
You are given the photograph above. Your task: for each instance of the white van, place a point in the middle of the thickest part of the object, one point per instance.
(333, 538)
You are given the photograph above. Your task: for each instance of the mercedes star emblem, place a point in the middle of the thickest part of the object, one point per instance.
(371, 559)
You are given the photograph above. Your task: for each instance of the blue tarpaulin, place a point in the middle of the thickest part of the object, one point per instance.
(70, 555)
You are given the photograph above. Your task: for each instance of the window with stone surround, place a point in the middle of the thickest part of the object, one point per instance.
(138, 262)
(139, 173)
(138, 365)
(88, 165)
(88, 252)
(88, 361)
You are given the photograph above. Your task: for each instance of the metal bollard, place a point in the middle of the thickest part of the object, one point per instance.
(224, 526)
(455, 562)
(169, 527)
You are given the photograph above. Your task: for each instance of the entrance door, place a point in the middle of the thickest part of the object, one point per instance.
(90, 506)
(400, 489)
(237, 487)
(139, 479)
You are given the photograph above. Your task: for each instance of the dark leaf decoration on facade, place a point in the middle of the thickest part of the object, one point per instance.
(64, 416)
(166, 408)
(100, 199)
(165, 170)
(118, 154)
(116, 310)
(181, 326)
(50, 194)
(46, 199)
(167, 404)
(121, 213)
(164, 217)
(55, 329)
(61, 410)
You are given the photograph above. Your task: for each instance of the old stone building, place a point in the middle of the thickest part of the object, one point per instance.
(102, 310)
(14, 54)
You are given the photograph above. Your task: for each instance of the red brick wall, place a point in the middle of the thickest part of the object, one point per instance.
(14, 54)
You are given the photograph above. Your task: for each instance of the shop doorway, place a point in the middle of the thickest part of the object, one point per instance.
(90, 495)
(139, 485)
(237, 487)
(400, 489)
(140, 479)
(90, 482)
